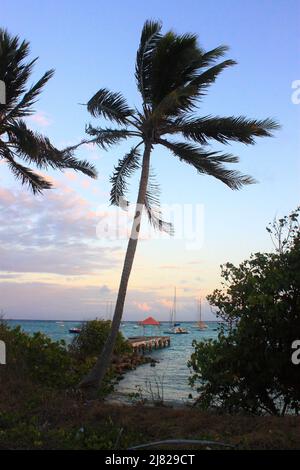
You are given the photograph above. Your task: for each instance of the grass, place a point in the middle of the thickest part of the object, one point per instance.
(32, 418)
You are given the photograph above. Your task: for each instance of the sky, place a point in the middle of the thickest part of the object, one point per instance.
(59, 256)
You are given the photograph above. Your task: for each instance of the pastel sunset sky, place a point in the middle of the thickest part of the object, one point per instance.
(55, 258)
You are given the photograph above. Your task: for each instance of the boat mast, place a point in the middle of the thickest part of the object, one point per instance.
(174, 307)
(200, 309)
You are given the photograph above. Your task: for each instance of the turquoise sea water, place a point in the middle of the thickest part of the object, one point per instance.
(168, 378)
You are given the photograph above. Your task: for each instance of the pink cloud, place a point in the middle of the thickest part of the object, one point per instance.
(70, 175)
(41, 119)
(6, 196)
(166, 303)
(144, 307)
(86, 184)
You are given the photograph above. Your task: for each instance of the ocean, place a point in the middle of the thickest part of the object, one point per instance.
(168, 380)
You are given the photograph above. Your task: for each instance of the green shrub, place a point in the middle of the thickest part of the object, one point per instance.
(92, 337)
(249, 367)
(53, 364)
(37, 357)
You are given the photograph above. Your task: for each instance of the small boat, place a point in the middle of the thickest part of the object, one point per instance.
(175, 329)
(200, 324)
(75, 331)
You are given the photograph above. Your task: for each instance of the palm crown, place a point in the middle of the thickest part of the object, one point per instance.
(173, 74)
(17, 141)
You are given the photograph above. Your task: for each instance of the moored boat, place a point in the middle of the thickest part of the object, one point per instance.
(175, 328)
(74, 330)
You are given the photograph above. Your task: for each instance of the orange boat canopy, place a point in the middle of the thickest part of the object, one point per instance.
(149, 321)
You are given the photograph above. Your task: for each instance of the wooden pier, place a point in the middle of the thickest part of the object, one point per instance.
(147, 343)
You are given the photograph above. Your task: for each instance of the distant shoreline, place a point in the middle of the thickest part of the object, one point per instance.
(123, 321)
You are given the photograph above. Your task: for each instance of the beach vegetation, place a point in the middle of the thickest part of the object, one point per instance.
(249, 367)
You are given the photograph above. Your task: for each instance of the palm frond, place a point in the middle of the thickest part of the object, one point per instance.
(125, 168)
(211, 56)
(175, 63)
(223, 129)
(210, 163)
(26, 176)
(107, 137)
(152, 206)
(210, 75)
(110, 105)
(13, 71)
(143, 69)
(68, 160)
(19, 142)
(37, 149)
(178, 100)
(24, 107)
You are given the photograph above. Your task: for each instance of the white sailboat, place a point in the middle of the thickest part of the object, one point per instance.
(201, 325)
(175, 328)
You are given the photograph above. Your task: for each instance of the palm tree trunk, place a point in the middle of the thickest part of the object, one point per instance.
(92, 382)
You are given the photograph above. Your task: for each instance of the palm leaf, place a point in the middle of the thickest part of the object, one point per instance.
(125, 168)
(107, 137)
(13, 71)
(109, 105)
(149, 38)
(152, 206)
(24, 107)
(211, 56)
(210, 163)
(223, 129)
(210, 75)
(175, 63)
(27, 177)
(36, 149)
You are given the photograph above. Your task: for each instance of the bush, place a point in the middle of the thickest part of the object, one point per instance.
(249, 366)
(36, 357)
(90, 341)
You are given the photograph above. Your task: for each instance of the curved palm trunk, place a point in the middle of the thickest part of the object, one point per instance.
(92, 382)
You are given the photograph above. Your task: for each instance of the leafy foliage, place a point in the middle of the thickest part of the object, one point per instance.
(36, 358)
(210, 163)
(249, 366)
(152, 206)
(17, 141)
(125, 168)
(91, 340)
(109, 105)
(54, 364)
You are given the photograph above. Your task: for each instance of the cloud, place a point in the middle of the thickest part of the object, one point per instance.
(166, 303)
(55, 233)
(144, 307)
(8, 276)
(40, 118)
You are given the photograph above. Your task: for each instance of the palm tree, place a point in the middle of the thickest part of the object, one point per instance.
(173, 74)
(17, 141)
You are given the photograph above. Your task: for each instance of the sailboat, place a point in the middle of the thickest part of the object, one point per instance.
(200, 324)
(175, 328)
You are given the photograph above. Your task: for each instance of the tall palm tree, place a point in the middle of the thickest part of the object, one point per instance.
(173, 74)
(17, 141)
